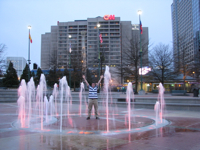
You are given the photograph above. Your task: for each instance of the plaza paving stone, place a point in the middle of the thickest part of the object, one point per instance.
(182, 132)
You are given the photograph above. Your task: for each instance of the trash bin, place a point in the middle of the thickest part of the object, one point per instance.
(195, 92)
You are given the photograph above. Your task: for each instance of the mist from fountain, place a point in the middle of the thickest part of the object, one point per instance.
(51, 107)
(107, 78)
(21, 103)
(63, 97)
(46, 106)
(157, 111)
(35, 105)
(129, 96)
(161, 100)
(81, 96)
(42, 93)
(55, 95)
(31, 95)
(31, 103)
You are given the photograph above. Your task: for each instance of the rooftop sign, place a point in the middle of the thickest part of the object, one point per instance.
(109, 17)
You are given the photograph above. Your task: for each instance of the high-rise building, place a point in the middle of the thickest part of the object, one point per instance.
(82, 37)
(186, 27)
(19, 64)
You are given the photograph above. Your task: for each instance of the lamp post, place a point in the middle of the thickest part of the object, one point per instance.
(29, 61)
(98, 26)
(193, 74)
(70, 50)
(141, 92)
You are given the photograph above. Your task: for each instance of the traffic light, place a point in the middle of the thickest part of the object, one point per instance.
(34, 66)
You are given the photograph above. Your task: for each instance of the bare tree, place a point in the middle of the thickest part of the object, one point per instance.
(96, 62)
(161, 62)
(53, 63)
(131, 59)
(2, 57)
(76, 66)
(195, 69)
(52, 78)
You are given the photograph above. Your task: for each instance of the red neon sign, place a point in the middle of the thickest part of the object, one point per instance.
(109, 17)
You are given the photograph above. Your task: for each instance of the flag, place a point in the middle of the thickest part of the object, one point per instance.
(100, 38)
(70, 50)
(141, 31)
(30, 38)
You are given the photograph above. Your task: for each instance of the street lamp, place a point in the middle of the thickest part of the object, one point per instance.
(70, 50)
(29, 61)
(141, 92)
(193, 74)
(98, 26)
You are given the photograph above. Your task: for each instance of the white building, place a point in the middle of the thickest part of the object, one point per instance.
(19, 64)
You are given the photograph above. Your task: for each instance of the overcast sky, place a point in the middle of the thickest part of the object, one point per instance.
(16, 15)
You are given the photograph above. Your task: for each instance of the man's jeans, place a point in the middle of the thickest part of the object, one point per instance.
(92, 102)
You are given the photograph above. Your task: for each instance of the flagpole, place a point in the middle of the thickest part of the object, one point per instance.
(69, 36)
(98, 26)
(141, 92)
(140, 52)
(29, 61)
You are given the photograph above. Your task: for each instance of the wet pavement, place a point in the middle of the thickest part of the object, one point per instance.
(181, 133)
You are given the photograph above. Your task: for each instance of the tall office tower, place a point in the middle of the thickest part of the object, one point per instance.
(110, 48)
(56, 45)
(46, 50)
(185, 26)
(82, 37)
(19, 64)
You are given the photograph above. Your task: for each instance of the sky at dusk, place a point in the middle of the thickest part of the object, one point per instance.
(16, 15)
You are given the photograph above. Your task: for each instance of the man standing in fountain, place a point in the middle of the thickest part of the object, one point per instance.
(93, 98)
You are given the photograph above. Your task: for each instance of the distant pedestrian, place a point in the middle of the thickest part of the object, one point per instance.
(93, 98)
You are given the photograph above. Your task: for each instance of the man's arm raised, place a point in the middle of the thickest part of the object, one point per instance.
(85, 80)
(101, 77)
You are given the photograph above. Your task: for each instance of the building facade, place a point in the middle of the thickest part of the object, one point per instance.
(19, 64)
(185, 27)
(82, 37)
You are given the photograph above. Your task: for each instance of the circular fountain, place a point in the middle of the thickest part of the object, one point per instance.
(57, 113)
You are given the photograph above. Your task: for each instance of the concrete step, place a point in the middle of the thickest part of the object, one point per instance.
(172, 103)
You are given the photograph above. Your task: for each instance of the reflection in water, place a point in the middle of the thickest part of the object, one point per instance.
(61, 143)
(71, 141)
(21, 143)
